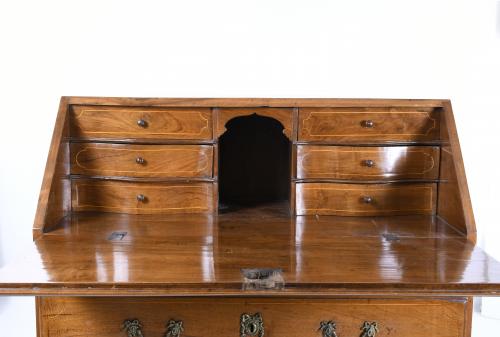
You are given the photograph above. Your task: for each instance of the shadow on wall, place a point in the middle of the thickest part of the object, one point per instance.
(4, 301)
(498, 19)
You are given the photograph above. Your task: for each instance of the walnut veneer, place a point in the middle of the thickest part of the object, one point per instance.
(257, 217)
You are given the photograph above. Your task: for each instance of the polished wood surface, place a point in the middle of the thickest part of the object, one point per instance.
(158, 198)
(254, 102)
(399, 249)
(102, 159)
(454, 203)
(365, 199)
(54, 201)
(203, 254)
(367, 163)
(362, 125)
(112, 122)
(69, 316)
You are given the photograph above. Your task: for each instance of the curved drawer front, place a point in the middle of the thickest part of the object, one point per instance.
(365, 199)
(101, 122)
(274, 317)
(367, 163)
(141, 198)
(142, 160)
(367, 125)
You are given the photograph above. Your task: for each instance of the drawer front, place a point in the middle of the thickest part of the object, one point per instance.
(136, 122)
(369, 199)
(142, 160)
(70, 316)
(141, 198)
(341, 125)
(367, 163)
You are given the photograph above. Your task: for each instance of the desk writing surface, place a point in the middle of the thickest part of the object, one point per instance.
(204, 254)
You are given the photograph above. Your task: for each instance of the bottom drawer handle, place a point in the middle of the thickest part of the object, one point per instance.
(133, 328)
(328, 328)
(369, 329)
(251, 325)
(174, 328)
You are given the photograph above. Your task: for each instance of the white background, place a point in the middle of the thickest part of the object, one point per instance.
(377, 49)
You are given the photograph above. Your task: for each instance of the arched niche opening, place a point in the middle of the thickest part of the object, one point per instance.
(254, 164)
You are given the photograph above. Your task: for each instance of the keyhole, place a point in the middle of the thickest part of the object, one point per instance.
(253, 328)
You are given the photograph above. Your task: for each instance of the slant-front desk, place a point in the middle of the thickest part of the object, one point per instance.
(253, 217)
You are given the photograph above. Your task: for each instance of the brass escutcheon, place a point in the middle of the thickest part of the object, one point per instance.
(133, 327)
(251, 325)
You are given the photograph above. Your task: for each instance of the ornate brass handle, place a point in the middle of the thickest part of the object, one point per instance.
(369, 329)
(251, 325)
(174, 328)
(133, 328)
(328, 328)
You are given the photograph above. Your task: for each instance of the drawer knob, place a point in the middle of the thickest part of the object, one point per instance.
(141, 197)
(367, 199)
(328, 328)
(369, 329)
(368, 163)
(251, 325)
(368, 124)
(140, 160)
(142, 123)
(133, 328)
(174, 328)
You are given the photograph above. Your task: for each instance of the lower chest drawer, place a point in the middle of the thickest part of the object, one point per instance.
(207, 317)
(142, 197)
(365, 199)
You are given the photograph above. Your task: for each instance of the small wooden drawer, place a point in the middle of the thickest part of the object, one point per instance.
(215, 317)
(105, 122)
(368, 125)
(365, 199)
(367, 163)
(142, 160)
(141, 197)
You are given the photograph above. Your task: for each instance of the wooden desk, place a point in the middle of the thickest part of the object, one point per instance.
(258, 217)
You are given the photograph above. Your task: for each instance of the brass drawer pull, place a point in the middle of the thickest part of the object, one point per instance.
(142, 123)
(251, 325)
(174, 328)
(367, 124)
(328, 328)
(140, 160)
(133, 328)
(367, 199)
(141, 198)
(368, 163)
(369, 329)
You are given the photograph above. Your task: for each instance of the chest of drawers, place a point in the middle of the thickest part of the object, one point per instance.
(258, 217)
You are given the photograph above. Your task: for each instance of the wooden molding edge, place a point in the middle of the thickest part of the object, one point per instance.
(465, 199)
(50, 175)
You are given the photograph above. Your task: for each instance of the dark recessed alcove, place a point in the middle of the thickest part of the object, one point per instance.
(254, 163)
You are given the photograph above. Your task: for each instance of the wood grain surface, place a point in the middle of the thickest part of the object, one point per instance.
(367, 163)
(349, 199)
(202, 254)
(104, 159)
(350, 125)
(103, 122)
(159, 198)
(68, 316)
